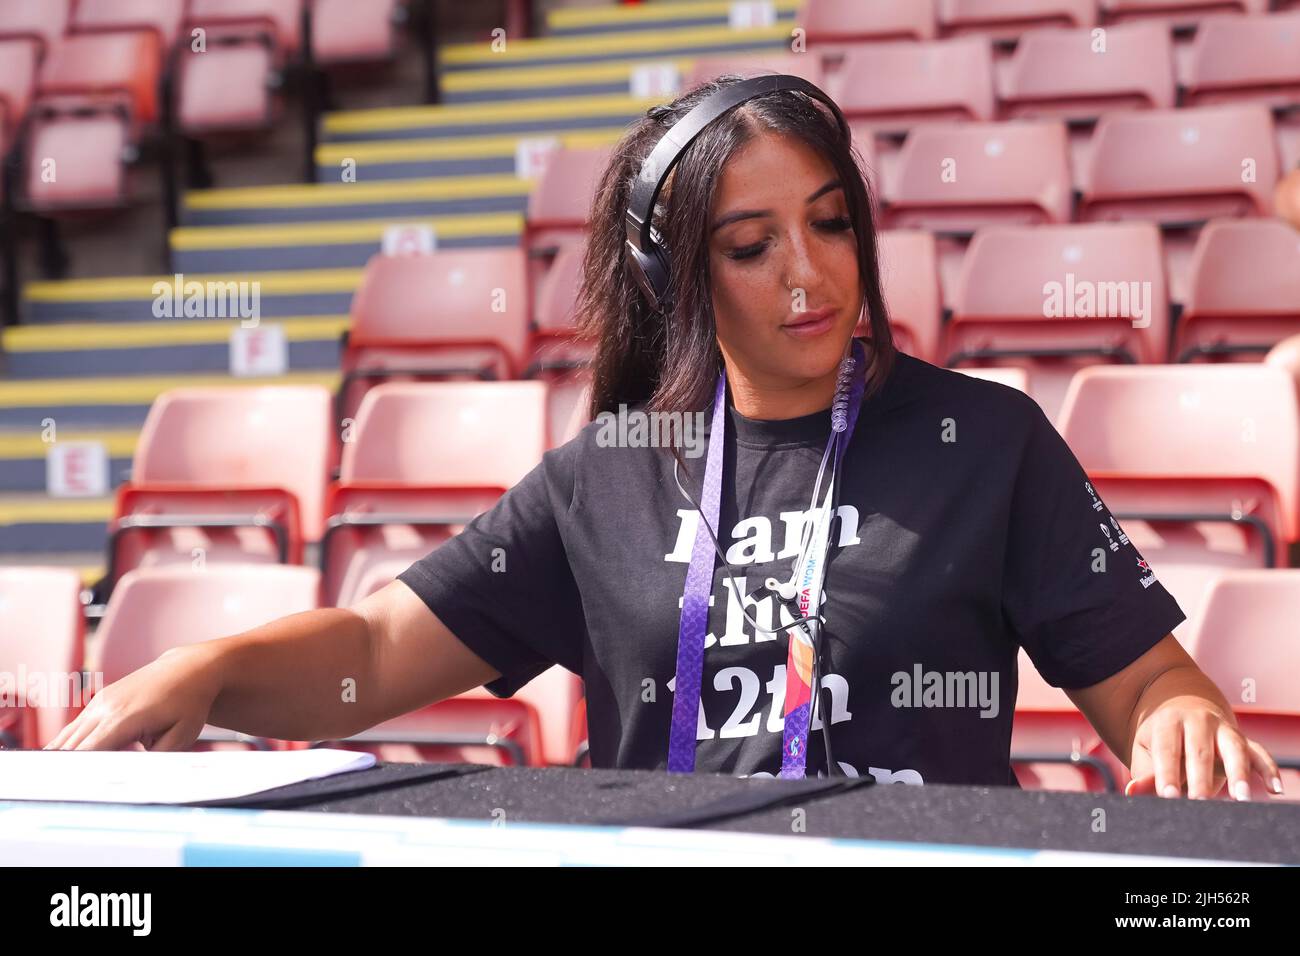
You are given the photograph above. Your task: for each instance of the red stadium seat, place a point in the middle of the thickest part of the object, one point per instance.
(424, 458)
(1226, 317)
(118, 67)
(751, 64)
(1008, 18)
(559, 206)
(96, 95)
(17, 84)
(454, 314)
(252, 460)
(162, 17)
(279, 20)
(154, 609)
(1286, 356)
(395, 492)
(1053, 299)
(86, 153)
(828, 23)
(344, 31)
(557, 355)
(1053, 746)
(534, 727)
(1200, 462)
(554, 346)
(40, 22)
(1244, 58)
(1245, 642)
(1189, 584)
(1063, 73)
(956, 178)
(228, 86)
(225, 90)
(1177, 12)
(893, 86)
(909, 276)
(1181, 166)
(41, 639)
(568, 401)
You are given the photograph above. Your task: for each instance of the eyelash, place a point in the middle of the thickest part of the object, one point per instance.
(838, 224)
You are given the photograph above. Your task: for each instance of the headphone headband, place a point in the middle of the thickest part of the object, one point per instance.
(646, 257)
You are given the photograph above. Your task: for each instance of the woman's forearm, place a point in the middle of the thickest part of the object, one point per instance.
(1185, 680)
(295, 678)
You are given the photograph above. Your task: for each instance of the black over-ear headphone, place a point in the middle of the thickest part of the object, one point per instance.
(647, 258)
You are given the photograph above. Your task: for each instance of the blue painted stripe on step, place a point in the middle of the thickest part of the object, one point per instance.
(141, 310)
(253, 214)
(158, 360)
(28, 474)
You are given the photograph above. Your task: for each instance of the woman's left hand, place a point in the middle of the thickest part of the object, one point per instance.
(1188, 745)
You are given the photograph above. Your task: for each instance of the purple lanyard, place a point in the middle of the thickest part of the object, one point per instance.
(699, 574)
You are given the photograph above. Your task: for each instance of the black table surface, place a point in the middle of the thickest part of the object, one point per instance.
(1265, 832)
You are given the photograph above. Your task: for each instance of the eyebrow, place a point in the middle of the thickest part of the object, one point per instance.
(731, 217)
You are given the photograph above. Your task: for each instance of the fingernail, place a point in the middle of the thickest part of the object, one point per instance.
(1276, 784)
(1169, 790)
(1241, 790)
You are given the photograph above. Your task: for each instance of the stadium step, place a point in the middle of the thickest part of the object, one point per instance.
(617, 18)
(275, 294)
(36, 524)
(440, 156)
(326, 245)
(113, 402)
(324, 202)
(78, 350)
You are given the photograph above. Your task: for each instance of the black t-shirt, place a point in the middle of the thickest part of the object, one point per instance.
(966, 528)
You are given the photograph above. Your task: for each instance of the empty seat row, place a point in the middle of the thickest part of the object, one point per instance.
(158, 608)
(1241, 637)
(1070, 74)
(82, 83)
(243, 474)
(832, 22)
(1172, 167)
(1240, 632)
(1055, 298)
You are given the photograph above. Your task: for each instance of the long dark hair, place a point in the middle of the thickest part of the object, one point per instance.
(637, 358)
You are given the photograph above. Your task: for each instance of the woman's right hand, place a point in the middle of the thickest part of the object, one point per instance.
(163, 705)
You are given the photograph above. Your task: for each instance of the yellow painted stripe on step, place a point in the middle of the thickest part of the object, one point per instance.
(410, 150)
(506, 111)
(649, 43)
(126, 288)
(477, 81)
(55, 511)
(359, 193)
(338, 233)
(53, 393)
(570, 17)
(78, 336)
(28, 444)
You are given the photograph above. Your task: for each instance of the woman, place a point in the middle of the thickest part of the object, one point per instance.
(965, 529)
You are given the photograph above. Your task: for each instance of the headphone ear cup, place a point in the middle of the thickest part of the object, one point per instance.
(651, 273)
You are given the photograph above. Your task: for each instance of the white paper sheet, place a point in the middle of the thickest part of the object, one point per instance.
(134, 776)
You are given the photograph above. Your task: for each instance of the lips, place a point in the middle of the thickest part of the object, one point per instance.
(810, 318)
